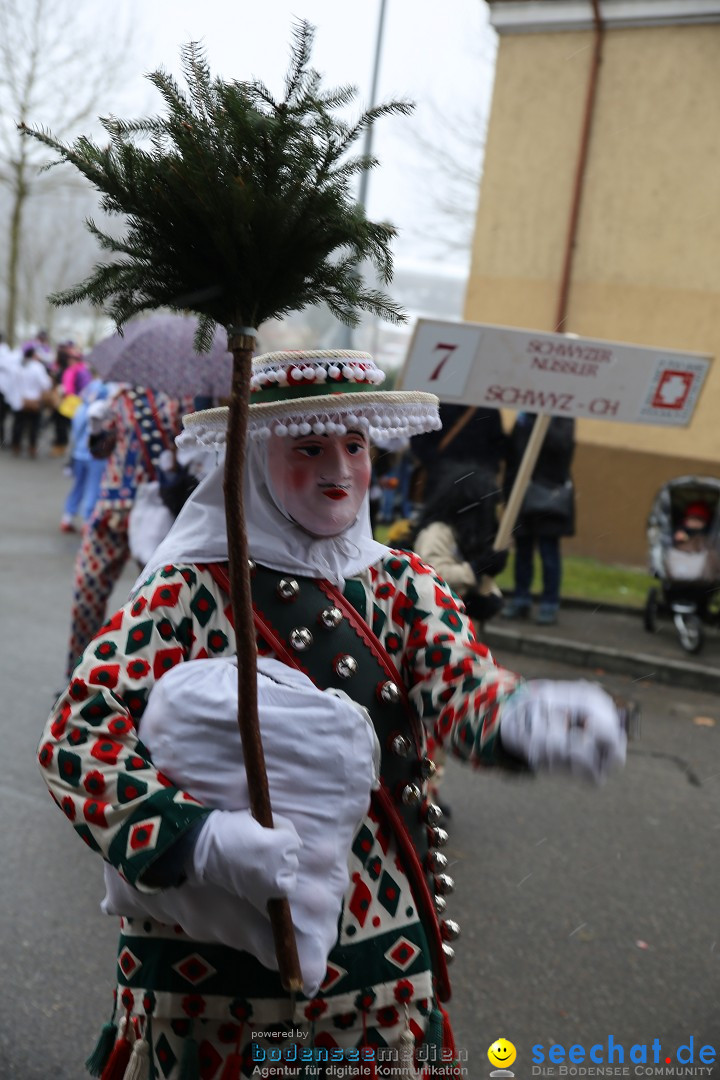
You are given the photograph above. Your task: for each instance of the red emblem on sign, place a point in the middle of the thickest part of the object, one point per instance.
(673, 389)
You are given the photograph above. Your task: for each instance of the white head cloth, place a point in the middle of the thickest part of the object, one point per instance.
(274, 539)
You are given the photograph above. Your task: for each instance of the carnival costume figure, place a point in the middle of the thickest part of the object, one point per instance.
(362, 651)
(135, 425)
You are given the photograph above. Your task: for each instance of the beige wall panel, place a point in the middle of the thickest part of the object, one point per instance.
(529, 163)
(519, 302)
(652, 186)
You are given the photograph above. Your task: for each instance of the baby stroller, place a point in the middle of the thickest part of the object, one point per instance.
(688, 569)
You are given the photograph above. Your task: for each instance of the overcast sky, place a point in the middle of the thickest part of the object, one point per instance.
(439, 56)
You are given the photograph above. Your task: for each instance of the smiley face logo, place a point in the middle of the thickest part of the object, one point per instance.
(502, 1053)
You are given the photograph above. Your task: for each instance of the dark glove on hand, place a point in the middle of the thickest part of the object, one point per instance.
(491, 563)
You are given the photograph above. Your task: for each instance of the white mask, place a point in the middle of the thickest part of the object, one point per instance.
(319, 481)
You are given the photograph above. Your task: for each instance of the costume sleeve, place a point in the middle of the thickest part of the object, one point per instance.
(93, 760)
(453, 682)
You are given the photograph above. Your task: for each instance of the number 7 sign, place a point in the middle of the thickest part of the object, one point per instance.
(442, 359)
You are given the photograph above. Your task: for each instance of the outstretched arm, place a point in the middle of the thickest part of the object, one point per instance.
(486, 714)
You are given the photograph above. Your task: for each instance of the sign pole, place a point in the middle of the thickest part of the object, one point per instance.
(529, 459)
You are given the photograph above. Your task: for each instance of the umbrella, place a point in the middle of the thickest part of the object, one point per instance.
(158, 352)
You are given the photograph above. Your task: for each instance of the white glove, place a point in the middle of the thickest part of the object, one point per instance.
(234, 851)
(570, 725)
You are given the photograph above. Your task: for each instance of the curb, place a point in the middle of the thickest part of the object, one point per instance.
(611, 607)
(643, 666)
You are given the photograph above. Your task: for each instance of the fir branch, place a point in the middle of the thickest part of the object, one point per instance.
(119, 129)
(303, 35)
(235, 205)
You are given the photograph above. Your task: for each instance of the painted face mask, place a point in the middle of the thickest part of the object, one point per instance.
(319, 481)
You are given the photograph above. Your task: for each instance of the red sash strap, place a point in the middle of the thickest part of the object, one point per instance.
(405, 822)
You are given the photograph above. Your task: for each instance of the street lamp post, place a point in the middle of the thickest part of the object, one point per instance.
(347, 331)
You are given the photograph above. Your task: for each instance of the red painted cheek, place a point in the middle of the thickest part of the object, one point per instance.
(299, 478)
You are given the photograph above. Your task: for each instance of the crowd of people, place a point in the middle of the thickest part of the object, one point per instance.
(40, 385)
(115, 440)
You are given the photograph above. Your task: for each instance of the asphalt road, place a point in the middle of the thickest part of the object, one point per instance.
(586, 913)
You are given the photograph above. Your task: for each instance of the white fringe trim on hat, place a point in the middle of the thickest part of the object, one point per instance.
(383, 414)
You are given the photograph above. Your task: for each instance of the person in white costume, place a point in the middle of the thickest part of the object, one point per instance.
(361, 649)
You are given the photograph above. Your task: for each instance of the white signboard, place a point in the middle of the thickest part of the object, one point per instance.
(554, 374)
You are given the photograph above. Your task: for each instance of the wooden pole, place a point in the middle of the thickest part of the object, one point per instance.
(512, 508)
(241, 344)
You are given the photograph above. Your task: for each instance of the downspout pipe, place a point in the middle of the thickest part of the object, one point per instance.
(578, 183)
(542, 421)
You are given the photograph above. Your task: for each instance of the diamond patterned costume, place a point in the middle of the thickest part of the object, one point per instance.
(100, 774)
(144, 424)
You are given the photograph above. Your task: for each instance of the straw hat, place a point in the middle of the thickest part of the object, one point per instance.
(320, 391)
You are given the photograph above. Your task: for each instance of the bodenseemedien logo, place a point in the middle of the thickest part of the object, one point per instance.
(502, 1054)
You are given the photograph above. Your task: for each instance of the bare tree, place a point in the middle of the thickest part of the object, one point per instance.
(455, 155)
(449, 143)
(57, 66)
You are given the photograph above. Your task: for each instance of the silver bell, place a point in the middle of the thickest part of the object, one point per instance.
(433, 813)
(440, 904)
(287, 588)
(346, 666)
(450, 930)
(428, 768)
(301, 638)
(251, 566)
(330, 617)
(436, 861)
(444, 884)
(438, 837)
(411, 794)
(448, 952)
(400, 745)
(389, 693)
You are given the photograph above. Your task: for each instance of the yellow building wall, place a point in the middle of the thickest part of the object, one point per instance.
(647, 257)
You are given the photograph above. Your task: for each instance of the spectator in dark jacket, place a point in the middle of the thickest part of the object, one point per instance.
(479, 439)
(547, 514)
(456, 530)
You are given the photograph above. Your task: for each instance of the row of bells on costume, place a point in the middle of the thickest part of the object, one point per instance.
(301, 638)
